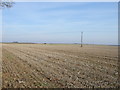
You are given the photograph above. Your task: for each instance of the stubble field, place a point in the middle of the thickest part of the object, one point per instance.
(58, 66)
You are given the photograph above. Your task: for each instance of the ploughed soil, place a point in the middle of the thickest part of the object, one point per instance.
(59, 66)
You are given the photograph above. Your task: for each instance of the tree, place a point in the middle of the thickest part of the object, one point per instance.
(6, 3)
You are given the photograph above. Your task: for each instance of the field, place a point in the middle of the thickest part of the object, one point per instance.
(59, 65)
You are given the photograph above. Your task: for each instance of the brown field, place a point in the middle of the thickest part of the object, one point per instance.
(58, 66)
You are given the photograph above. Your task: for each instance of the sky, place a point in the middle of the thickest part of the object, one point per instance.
(0, 25)
(61, 22)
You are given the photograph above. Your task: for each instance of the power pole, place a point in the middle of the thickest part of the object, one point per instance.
(81, 39)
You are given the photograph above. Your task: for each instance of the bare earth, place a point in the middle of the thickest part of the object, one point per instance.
(58, 66)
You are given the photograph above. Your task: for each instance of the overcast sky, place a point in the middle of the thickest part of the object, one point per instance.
(61, 22)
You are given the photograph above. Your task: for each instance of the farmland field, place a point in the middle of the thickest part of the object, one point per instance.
(59, 65)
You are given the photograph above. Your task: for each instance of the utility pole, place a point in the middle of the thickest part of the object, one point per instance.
(81, 39)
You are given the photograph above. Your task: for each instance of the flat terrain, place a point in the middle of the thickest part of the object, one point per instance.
(55, 65)
(0, 65)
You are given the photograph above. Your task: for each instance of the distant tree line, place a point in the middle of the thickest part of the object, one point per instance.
(15, 42)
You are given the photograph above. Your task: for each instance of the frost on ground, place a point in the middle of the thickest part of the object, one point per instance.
(55, 65)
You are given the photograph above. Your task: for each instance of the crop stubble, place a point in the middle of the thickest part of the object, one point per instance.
(55, 65)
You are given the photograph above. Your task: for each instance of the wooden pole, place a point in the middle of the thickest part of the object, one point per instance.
(81, 39)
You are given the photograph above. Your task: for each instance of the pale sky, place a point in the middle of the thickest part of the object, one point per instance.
(50, 22)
